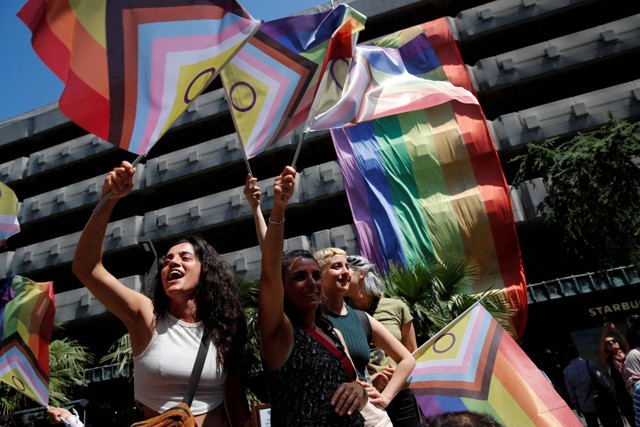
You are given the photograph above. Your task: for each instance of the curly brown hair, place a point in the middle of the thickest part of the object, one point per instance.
(217, 301)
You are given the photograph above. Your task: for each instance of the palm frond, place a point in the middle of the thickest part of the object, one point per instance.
(120, 354)
(439, 290)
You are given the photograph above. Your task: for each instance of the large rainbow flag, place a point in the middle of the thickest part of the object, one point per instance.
(474, 364)
(271, 82)
(427, 182)
(131, 67)
(9, 224)
(27, 310)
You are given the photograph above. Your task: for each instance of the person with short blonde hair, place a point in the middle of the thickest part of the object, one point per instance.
(336, 280)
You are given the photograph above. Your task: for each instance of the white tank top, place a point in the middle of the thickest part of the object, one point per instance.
(163, 369)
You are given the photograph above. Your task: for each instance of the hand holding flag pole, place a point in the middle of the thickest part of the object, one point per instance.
(104, 198)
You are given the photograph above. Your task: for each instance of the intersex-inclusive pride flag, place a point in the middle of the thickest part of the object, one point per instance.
(131, 67)
(427, 182)
(27, 310)
(475, 365)
(383, 80)
(271, 82)
(9, 224)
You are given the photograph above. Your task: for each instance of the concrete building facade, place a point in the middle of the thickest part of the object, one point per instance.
(541, 68)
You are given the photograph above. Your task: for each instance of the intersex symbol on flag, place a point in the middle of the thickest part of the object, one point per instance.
(130, 68)
(474, 364)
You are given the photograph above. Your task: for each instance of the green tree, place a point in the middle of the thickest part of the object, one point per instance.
(438, 290)
(593, 183)
(67, 363)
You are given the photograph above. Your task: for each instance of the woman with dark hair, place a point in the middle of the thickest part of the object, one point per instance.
(613, 350)
(195, 294)
(312, 381)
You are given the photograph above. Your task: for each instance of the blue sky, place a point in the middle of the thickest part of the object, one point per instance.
(26, 83)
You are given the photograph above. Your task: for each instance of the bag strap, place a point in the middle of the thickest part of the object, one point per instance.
(341, 355)
(595, 381)
(197, 370)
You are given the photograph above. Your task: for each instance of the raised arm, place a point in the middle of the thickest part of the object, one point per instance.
(253, 194)
(133, 308)
(384, 340)
(276, 331)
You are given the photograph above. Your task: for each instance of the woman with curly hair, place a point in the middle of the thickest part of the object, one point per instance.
(195, 295)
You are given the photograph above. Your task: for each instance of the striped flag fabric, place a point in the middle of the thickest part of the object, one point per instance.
(271, 83)
(398, 73)
(27, 310)
(475, 365)
(9, 224)
(130, 68)
(427, 182)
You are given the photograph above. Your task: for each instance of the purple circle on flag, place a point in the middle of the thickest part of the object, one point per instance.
(332, 73)
(17, 382)
(211, 71)
(446, 345)
(253, 95)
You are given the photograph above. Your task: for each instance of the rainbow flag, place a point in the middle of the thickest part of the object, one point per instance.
(9, 224)
(27, 310)
(400, 73)
(130, 68)
(474, 364)
(426, 182)
(271, 82)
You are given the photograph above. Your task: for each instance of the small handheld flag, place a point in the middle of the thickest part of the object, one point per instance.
(27, 311)
(9, 224)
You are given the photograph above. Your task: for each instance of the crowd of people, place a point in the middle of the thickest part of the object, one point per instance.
(608, 397)
(336, 351)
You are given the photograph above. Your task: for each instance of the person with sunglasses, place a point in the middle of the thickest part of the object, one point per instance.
(613, 351)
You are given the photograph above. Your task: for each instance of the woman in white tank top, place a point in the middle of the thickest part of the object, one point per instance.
(195, 293)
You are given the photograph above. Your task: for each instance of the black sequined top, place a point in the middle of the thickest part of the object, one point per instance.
(301, 390)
